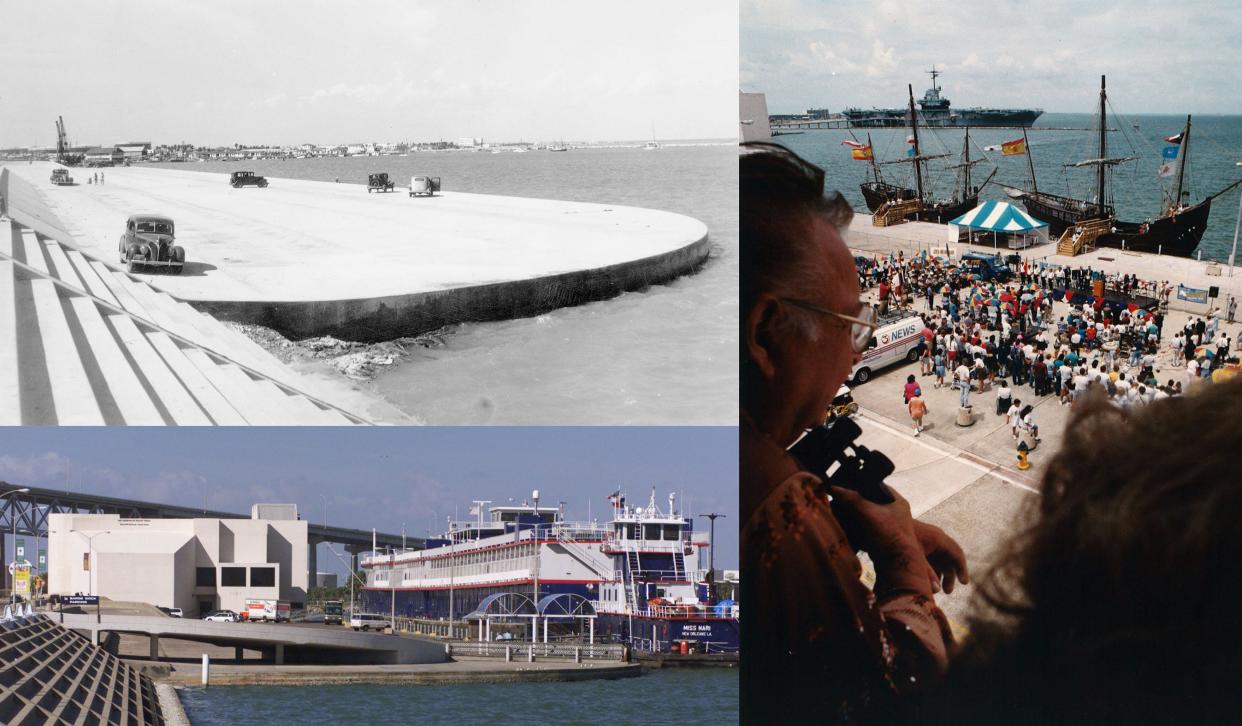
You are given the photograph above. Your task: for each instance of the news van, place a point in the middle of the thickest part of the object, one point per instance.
(895, 340)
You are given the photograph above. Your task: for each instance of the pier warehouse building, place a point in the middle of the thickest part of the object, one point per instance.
(198, 565)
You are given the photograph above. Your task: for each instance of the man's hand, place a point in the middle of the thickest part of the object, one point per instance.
(887, 533)
(944, 556)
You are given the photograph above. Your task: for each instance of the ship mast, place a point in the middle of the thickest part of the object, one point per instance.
(1099, 189)
(914, 130)
(965, 154)
(1030, 163)
(875, 170)
(1181, 166)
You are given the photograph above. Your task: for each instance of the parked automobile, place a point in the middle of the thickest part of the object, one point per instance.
(221, 616)
(428, 185)
(171, 612)
(368, 621)
(148, 242)
(241, 179)
(987, 267)
(379, 182)
(273, 611)
(60, 177)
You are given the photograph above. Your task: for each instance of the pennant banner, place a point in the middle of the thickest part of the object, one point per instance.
(1013, 148)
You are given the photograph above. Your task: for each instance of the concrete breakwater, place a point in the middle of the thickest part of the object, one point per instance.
(313, 258)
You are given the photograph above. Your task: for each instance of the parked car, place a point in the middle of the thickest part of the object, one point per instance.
(379, 182)
(987, 267)
(241, 179)
(368, 621)
(428, 185)
(148, 242)
(170, 612)
(60, 177)
(221, 616)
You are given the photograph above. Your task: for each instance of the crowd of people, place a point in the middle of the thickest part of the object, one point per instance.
(1113, 601)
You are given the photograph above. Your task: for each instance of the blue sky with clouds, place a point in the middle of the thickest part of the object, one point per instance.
(1159, 57)
(288, 71)
(388, 477)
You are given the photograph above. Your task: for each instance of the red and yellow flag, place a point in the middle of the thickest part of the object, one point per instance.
(863, 154)
(1012, 148)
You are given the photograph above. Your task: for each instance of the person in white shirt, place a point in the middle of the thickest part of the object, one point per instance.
(1013, 417)
(962, 378)
(1192, 369)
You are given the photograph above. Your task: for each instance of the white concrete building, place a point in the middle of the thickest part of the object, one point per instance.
(197, 565)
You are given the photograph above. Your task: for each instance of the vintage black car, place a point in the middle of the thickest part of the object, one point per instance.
(379, 182)
(60, 177)
(148, 243)
(247, 178)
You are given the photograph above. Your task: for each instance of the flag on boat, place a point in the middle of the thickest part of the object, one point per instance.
(910, 151)
(853, 144)
(862, 154)
(1170, 152)
(1176, 139)
(1013, 148)
(1169, 157)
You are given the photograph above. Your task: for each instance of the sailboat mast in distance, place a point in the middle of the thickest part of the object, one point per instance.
(914, 130)
(1099, 187)
(1183, 155)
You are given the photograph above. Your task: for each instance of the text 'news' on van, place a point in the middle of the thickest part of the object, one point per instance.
(895, 340)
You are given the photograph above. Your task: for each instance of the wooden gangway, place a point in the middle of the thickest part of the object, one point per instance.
(1082, 236)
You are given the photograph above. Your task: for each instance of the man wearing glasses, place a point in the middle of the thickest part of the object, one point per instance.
(818, 644)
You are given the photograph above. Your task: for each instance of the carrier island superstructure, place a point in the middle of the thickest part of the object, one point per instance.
(636, 578)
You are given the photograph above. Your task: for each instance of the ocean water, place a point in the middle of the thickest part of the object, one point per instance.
(673, 696)
(659, 356)
(1215, 146)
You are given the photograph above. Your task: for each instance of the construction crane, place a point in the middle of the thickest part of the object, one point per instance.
(62, 145)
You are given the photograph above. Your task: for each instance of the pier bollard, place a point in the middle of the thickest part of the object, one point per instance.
(508, 653)
(577, 654)
(206, 669)
(530, 653)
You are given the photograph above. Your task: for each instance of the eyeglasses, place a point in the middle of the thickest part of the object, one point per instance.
(862, 326)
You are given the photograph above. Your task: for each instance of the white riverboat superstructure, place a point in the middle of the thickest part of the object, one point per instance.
(637, 577)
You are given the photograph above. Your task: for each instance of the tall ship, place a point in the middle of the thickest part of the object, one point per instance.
(1175, 230)
(919, 203)
(638, 575)
(936, 110)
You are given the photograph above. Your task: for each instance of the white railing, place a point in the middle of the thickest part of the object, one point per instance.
(519, 650)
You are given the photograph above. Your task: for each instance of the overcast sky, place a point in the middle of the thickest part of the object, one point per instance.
(1160, 57)
(387, 477)
(331, 71)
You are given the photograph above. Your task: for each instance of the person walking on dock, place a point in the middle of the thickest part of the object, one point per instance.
(918, 409)
(1233, 307)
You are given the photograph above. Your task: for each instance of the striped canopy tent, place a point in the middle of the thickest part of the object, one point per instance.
(1002, 218)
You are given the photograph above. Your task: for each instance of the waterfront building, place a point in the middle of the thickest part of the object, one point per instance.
(198, 565)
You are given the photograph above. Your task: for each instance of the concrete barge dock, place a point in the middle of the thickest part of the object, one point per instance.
(316, 258)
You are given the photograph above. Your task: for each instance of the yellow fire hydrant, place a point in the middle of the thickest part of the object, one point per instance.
(1023, 463)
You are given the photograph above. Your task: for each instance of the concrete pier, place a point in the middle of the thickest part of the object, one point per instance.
(315, 258)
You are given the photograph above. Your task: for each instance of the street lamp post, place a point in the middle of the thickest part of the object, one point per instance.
(711, 546)
(535, 622)
(452, 571)
(13, 516)
(90, 557)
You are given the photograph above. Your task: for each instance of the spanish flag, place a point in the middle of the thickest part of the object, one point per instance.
(1012, 148)
(863, 154)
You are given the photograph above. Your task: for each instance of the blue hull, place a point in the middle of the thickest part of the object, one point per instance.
(657, 634)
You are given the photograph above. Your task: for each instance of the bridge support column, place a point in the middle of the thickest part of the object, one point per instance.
(312, 562)
(280, 654)
(239, 654)
(155, 647)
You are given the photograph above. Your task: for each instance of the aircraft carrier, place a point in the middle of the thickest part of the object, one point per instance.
(935, 110)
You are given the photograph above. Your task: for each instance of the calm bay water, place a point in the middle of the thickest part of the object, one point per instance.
(1215, 146)
(676, 696)
(659, 356)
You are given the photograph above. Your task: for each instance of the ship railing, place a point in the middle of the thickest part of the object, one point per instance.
(519, 650)
(646, 545)
(657, 575)
(689, 611)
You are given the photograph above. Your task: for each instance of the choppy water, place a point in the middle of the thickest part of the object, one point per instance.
(661, 356)
(1215, 146)
(676, 696)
